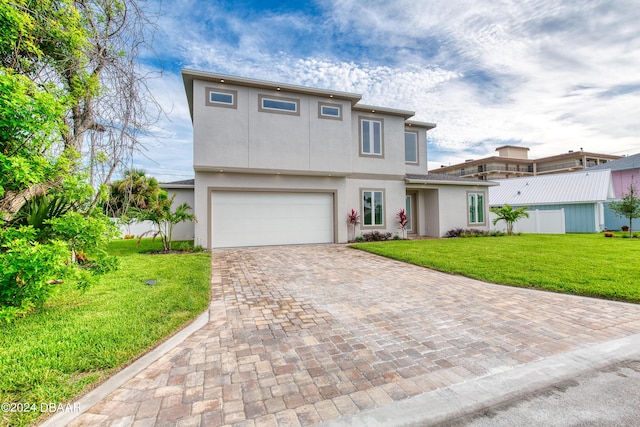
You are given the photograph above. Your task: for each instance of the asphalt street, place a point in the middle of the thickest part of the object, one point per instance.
(607, 397)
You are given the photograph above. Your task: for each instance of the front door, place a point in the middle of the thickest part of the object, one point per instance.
(410, 209)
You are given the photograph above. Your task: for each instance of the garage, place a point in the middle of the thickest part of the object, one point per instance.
(260, 218)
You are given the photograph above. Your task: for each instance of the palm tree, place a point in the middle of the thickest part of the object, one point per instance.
(509, 215)
(135, 190)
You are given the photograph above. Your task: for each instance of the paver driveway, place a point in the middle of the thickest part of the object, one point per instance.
(299, 335)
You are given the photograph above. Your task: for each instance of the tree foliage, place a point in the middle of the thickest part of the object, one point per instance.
(134, 190)
(509, 215)
(73, 104)
(73, 64)
(628, 207)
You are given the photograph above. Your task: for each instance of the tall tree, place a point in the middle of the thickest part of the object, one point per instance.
(629, 206)
(82, 55)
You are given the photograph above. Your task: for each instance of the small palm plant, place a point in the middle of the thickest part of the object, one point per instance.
(159, 213)
(509, 215)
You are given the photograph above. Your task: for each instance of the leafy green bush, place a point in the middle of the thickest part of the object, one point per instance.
(26, 269)
(473, 232)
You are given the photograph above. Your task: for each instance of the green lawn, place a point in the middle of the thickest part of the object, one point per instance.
(78, 339)
(581, 264)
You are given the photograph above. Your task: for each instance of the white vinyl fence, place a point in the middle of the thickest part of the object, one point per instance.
(182, 231)
(539, 222)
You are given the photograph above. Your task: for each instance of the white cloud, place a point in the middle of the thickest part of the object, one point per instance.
(548, 74)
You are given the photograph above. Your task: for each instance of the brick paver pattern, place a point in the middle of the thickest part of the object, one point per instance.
(299, 335)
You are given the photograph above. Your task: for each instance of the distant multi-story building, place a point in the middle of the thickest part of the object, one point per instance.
(513, 161)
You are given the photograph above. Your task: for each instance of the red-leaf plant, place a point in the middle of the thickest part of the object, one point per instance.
(403, 219)
(353, 219)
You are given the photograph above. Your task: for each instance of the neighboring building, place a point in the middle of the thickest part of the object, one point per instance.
(513, 161)
(283, 164)
(624, 171)
(582, 195)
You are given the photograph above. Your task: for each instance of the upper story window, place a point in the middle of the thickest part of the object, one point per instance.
(411, 147)
(371, 140)
(272, 104)
(475, 206)
(329, 111)
(221, 98)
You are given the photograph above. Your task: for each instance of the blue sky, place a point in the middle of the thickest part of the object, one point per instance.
(552, 75)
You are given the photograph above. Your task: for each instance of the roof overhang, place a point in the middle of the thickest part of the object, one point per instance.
(433, 179)
(189, 75)
(382, 110)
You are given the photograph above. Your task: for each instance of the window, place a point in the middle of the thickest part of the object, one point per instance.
(269, 104)
(407, 210)
(329, 111)
(371, 137)
(373, 208)
(221, 98)
(411, 147)
(475, 202)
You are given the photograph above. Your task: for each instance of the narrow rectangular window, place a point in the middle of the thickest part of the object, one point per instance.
(407, 211)
(411, 147)
(373, 208)
(371, 137)
(279, 105)
(329, 111)
(221, 98)
(476, 208)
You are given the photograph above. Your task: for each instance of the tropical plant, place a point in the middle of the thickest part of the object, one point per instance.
(135, 190)
(159, 213)
(403, 219)
(353, 219)
(509, 215)
(628, 207)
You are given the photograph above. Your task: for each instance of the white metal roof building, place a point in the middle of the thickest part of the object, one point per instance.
(582, 195)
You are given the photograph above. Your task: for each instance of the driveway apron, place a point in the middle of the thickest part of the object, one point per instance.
(303, 335)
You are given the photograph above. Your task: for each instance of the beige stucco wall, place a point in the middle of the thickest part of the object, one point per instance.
(248, 138)
(421, 167)
(453, 207)
(394, 200)
(392, 160)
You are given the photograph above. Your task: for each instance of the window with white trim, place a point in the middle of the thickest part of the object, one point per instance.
(475, 205)
(329, 111)
(373, 208)
(371, 137)
(411, 147)
(221, 98)
(272, 104)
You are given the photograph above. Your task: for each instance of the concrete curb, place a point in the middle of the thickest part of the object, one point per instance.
(113, 383)
(466, 398)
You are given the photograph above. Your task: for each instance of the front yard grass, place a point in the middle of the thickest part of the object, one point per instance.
(580, 264)
(80, 338)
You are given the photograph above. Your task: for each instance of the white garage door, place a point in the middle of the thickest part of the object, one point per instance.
(270, 218)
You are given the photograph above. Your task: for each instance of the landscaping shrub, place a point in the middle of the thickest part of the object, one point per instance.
(375, 236)
(472, 232)
(26, 269)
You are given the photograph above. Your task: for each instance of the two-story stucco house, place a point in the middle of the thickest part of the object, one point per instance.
(282, 164)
